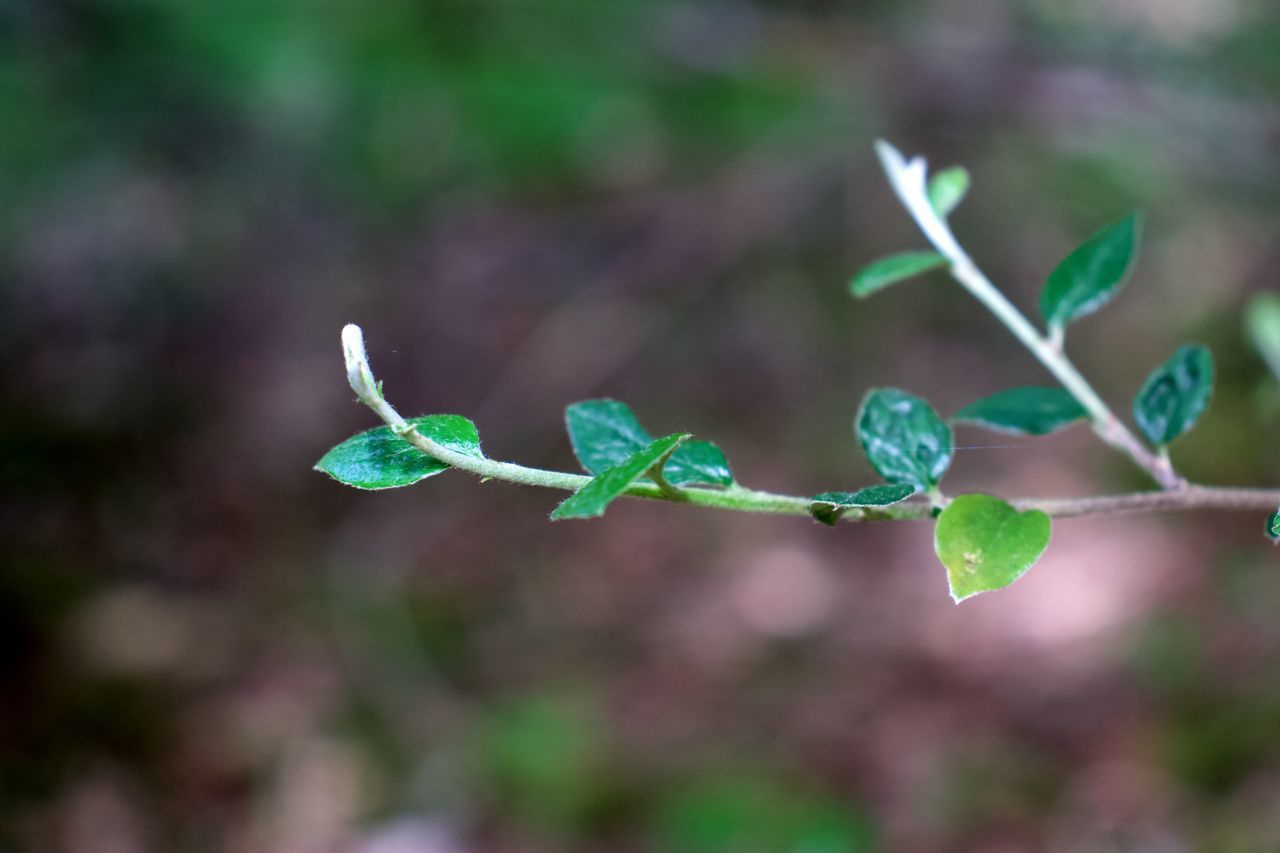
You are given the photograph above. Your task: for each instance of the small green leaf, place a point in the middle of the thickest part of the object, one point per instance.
(1030, 410)
(592, 499)
(904, 438)
(745, 808)
(829, 506)
(380, 459)
(605, 432)
(1262, 321)
(698, 462)
(892, 270)
(1175, 395)
(1273, 526)
(1092, 274)
(947, 189)
(986, 544)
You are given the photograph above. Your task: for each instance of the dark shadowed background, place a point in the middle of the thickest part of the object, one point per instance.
(207, 646)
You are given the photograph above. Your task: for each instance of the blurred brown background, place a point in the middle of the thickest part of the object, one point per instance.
(207, 646)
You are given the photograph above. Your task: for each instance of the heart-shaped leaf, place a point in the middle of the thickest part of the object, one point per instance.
(1092, 274)
(1030, 410)
(904, 438)
(1273, 526)
(606, 432)
(892, 270)
(986, 544)
(592, 499)
(1175, 395)
(380, 459)
(829, 506)
(947, 188)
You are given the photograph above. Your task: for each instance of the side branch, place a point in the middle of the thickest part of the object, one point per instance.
(908, 181)
(1190, 498)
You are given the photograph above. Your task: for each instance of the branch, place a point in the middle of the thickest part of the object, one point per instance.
(908, 180)
(740, 499)
(1191, 497)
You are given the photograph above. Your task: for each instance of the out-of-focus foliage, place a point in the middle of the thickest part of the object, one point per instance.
(745, 810)
(1175, 395)
(893, 269)
(1262, 322)
(208, 645)
(947, 188)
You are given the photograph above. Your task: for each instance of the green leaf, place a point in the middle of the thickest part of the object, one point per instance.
(1092, 274)
(947, 189)
(1273, 526)
(380, 459)
(892, 270)
(743, 808)
(904, 438)
(1262, 321)
(542, 751)
(1030, 410)
(1175, 395)
(829, 506)
(592, 499)
(698, 462)
(986, 544)
(606, 432)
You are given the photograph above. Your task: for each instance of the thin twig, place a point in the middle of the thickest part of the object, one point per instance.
(909, 182)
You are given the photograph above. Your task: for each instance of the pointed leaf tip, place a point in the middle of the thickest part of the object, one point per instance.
(593, 498)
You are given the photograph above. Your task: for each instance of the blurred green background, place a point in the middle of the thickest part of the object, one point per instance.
(207, 646)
